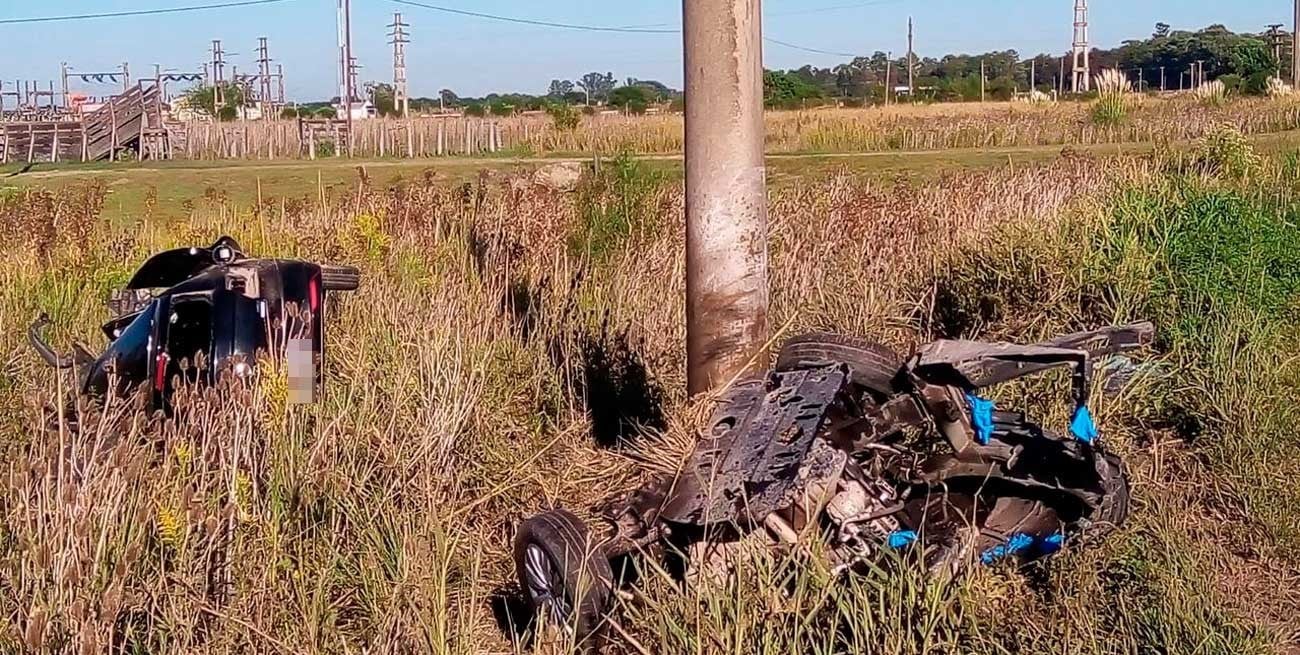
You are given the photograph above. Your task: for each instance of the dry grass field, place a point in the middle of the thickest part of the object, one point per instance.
(513, 348)
(878, 129)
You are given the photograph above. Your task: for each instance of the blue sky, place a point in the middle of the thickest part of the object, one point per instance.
(473, 56)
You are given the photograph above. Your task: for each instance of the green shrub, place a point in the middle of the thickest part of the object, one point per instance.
(1110, 109)
(564, 117)
(1226, 151)
(616, 206)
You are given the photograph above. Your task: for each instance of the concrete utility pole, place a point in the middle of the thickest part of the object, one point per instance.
(346, 65)
(889, 70)
(1082, 72)
(401, 96)
(983, 79)
(1295, 48)
(911, 63)
(726, 196)
(1162, 79)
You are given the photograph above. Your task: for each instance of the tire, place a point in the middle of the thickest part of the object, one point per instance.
(872, 366)
(1114, 509)
(340, 278)
(563, 574)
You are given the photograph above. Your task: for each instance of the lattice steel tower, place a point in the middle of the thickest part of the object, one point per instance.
(401, 96)
(1082, 77)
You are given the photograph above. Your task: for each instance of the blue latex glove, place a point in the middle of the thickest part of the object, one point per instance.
(981, 416)
(1082, 426)
(901, 539)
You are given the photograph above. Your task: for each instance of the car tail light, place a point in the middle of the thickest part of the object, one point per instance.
(160, 371)
(313, 293)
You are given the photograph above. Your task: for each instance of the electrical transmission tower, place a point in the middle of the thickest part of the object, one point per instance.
(218, 72)
(264, 93)
(1082, 78)
(401, 96)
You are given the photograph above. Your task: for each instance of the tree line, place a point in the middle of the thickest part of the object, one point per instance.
(1244, 62)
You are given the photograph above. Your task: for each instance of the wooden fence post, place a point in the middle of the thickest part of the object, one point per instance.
(112, 131)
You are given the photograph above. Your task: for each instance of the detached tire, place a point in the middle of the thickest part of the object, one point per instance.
(563, 575)
(340, 278)
(872, 366)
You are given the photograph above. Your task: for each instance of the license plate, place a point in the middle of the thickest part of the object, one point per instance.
(302, 371)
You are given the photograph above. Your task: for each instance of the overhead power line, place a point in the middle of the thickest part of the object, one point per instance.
(635, 29)
(823, 10)
(542, 23)
(138, 12)
(812, 50)
(646, 29)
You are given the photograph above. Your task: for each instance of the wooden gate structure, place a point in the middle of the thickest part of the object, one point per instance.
(132, 121)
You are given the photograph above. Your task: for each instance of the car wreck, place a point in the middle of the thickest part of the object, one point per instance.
(869, 451)
(191, 314)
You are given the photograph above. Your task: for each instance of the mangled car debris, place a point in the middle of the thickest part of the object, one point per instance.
(868, 450)
(212, 303)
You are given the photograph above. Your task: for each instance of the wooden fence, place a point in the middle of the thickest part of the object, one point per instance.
(416, 137)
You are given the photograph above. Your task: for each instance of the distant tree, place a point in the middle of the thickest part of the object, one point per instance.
(1246, 57)
(204, 98)
(559, 89)
(624, 94)
(476, 110)
(1162, 31)
(326, 112)
(656, 91)
(289, 112)
(597, 86)
(383, 96)
(449, 98)
(787, 89)
(635, 99)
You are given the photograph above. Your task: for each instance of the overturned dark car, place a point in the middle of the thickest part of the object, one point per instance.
(193, 313)
(863, 449)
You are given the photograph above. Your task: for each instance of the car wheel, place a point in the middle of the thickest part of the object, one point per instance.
(872, 366)
(564, 574)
